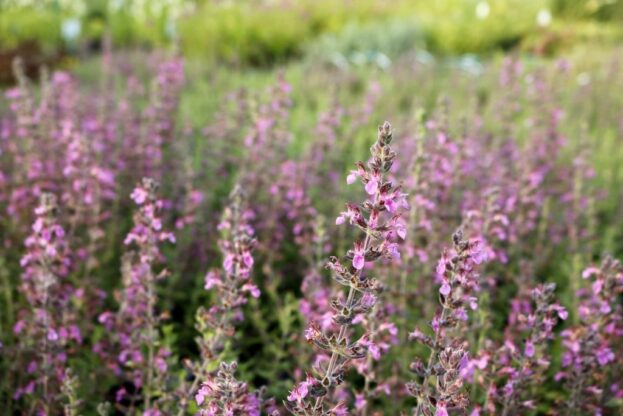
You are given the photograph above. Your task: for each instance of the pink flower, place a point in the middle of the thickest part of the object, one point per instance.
(360, 401)
(441, 264)
(368, 300)
(52, 335)
(358, 258)
(203, 392)
(139, 195)
(372, 186)
(252, 289)
(299, 392)
(401, 231)
(529, 350)
(374, 350)
(441, 409)
(312, 332)
(604, 356)
(352, 177)
(561, 312)
(588, 272)
(247, 259)
(339, 410)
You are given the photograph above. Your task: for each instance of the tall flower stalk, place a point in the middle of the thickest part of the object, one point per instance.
(233, 286)
(591, 361)
(531, 323)
(377, 218)
(48, 328)
(141, 352)
(441, 386)
(222, 394)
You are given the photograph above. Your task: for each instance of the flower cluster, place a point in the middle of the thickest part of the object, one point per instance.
(378, 217)
(592, 352)
(523, 359)
(136, 323)
(514, 165)
(224, 395)
(457, 274)
(48, 328)
(233, 286)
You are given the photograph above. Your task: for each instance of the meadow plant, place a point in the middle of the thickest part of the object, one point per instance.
(233, 287)
(381, 231)
(441, 386)
(592, 352)
(521, 363)
(48, 328)
(224, 395)
(522, 157)
(160, 125)
(140, 353)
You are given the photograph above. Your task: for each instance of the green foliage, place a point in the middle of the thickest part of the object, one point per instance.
(373, 43)
(260, 33)
(472, 26)
(41, 25)
(604, 10)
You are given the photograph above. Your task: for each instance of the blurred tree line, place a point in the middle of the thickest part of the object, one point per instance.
(261, 32)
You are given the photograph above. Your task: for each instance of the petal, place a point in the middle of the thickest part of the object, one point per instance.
(358, 261)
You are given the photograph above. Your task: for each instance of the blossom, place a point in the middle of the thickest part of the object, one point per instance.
(223, 391)
(604, 355)
(358, 257)
(139, 195)
(212, 279)
(441, 409)
(352, 177)
(372, 186)
(299, 392)
(380, 229)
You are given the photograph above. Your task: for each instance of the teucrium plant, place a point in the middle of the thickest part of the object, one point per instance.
(377, 217)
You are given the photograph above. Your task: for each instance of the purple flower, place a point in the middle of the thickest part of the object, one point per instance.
(139, 195)
(358, 257)
(299, 392)
(372, 186)
(352, 177)
(561, 312)
(441, 409)
(604, 355)
(252, 289)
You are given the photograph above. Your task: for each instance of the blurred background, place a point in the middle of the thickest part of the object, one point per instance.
(264, 33)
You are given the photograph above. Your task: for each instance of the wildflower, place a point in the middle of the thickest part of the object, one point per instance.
(589, 346)
(136, 323)
(532, 321)
(299, 392)
(362, 290)
(48, 329)
(233, 287)
(441, 410)
(223, 394)
(358, 257)
(457, 269)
